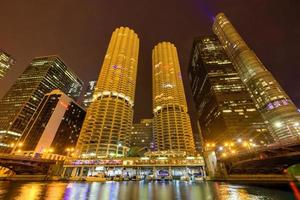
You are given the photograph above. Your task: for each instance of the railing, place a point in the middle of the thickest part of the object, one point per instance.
(280, 144)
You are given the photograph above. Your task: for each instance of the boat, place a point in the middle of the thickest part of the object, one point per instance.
(168, 178)
(76, 178)
(185, 178)
(149, 177)
(164, 175)
(118, 178)
(136, 178)
(96, 178)
(197, 177)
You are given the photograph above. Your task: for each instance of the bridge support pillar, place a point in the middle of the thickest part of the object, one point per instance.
(74, 172)
(211, 164)
(81, 171)
(64, 172)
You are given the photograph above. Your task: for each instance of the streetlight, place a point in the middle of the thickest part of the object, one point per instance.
(70, 150)
(278, 124)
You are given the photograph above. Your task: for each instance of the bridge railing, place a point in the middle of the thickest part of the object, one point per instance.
(284, 143)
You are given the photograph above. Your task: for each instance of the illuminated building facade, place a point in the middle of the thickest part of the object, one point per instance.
(54, 126)
(108, 123)
(172, 126)
(225, 109)
(88, 95)
(6, 61)
(142, 135)
(18, 105)
(269, 97)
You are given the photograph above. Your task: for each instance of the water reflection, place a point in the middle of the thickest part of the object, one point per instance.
(143, 190)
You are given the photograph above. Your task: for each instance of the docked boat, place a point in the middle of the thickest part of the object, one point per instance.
(185, 178)
(149, 178)
(96, 178)
(136, 178)
(197, 177)
(168, 178)
(118, 178)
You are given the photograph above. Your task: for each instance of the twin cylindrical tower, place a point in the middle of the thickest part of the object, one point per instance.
(109, 118)
(172, 126)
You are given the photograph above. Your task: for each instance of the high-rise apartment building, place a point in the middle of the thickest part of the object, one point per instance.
(6, 61)
(172, 126)
(18, 105)
(54, 126)
(88, 95)
(142, 135)
(225, 110)
(270, 99)
(108, 122)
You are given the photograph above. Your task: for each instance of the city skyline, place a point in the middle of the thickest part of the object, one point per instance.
(272, 34)
(218, 114)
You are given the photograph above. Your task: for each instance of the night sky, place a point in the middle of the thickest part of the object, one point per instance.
(79, 32)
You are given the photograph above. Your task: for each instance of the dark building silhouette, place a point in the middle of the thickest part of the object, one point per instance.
(43, 75)
(54, 127)
(142, 135)
(224, 106)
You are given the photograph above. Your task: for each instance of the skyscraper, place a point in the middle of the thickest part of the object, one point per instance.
(225, 110)
(142, 135)
(18, 105)
(270, 99)
(172, 126)
(88, 95)
(6, 61)
(109, 118)
(54, 126)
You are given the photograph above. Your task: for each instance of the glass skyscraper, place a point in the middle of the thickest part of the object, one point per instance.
(270, 99)
(108, 122)
(172, 126)
(88, 95)
(6, 61)
(225, 110)
(54, 126)
(18, 105)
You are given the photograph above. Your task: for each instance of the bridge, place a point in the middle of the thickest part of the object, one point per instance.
(270, 159)
(21, 165)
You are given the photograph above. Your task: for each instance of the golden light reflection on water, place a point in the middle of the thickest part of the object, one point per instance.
(137, 190)
(55, 190)
(30, 191)
(230, 192)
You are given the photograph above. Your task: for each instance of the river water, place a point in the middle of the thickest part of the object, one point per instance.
(143, 190)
